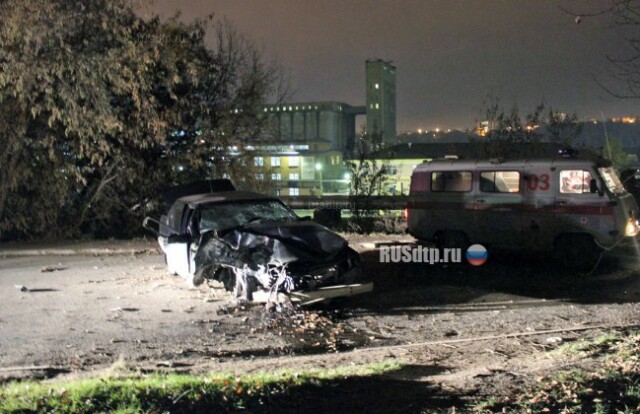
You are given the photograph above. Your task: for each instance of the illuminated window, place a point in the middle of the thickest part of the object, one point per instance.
(294, 176)
(258, 161)
(275, 161)
(294, 191)
(377, 86)
(575, 181)
(377, 106)
(276, 177)
(500, 181)
(294, 161)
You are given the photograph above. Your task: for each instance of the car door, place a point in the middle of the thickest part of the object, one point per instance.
(177, 245)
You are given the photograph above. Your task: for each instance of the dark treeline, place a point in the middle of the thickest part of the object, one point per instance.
(96, 105)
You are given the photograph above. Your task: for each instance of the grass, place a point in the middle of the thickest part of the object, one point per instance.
(608, 382)
(177, 393)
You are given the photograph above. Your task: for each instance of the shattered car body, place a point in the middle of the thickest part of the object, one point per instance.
(257, 247)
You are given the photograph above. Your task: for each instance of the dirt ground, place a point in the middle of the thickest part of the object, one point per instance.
(459, 330)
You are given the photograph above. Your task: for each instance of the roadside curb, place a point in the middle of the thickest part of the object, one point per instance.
(73, 251)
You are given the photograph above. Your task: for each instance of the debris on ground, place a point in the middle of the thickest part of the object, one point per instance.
(48, 269)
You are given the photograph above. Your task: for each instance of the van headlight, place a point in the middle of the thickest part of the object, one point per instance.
(632, 228)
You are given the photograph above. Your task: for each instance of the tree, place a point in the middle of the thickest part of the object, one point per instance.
(508, 136)
(614, 151)
(625, 17)
(562, 128)
(367, 178)
(90, 93)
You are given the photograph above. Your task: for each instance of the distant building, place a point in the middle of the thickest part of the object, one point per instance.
(381, 101)
(304, 147)
(311, 168)
(624, 119)
(335, 122)
(305, 122)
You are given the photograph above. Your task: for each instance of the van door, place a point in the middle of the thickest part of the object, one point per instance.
(540, 185)
(498, 205)
(581, 210)
(451, 201)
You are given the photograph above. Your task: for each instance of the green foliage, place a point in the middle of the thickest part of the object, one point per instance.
(173, 392)
(367, 179)
(89, 94)
(610, 385)
(613, 151)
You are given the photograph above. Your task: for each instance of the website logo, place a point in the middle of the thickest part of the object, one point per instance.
(477, 255)
(419, 254)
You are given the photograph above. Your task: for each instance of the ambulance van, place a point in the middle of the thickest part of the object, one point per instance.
(573, 208)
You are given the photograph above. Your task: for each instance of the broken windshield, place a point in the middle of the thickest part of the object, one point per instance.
(611, 180)
(230, 215)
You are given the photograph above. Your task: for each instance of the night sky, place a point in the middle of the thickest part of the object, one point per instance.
(450, 55)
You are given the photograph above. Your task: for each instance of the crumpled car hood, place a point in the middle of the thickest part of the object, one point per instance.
(261, 243)
(307, 240)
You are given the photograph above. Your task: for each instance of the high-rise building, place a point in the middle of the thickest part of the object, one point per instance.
(381, 102)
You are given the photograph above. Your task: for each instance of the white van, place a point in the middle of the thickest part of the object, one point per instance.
(575, 208)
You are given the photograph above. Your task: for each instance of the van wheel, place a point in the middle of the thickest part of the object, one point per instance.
(576, 252)
(452, 240)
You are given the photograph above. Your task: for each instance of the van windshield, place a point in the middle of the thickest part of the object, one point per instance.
(611, 180)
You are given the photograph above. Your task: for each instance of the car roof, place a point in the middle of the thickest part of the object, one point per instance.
(224, 197)
(171, 194)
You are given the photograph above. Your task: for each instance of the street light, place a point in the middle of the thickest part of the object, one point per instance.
(319, 169)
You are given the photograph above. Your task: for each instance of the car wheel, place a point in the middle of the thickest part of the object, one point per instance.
(227, 277)
(576, 252)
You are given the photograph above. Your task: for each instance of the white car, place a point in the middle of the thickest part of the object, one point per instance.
(253, 242)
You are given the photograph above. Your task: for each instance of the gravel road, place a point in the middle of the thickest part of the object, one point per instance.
(80, 312)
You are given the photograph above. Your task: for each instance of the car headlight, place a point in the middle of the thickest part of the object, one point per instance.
(632, 228)
(327, 274)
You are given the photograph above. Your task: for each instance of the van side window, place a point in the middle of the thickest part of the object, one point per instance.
(419, 182)
(500, 181)
(451, 181)
(575, 181)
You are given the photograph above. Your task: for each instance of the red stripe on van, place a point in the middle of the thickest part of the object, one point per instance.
(586, 210)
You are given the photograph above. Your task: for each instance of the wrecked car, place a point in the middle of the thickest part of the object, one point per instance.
(254, 244)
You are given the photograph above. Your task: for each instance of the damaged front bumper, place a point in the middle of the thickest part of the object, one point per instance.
(316, 296)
